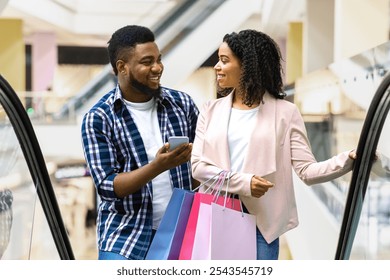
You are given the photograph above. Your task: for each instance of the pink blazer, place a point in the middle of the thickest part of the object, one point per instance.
(277, 145)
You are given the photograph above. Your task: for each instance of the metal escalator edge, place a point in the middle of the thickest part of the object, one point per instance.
(366, 150)
(37, 166)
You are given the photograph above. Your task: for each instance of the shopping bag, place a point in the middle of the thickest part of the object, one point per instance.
(232, 234)
(188, 239)
(207, 198)
(201, 244)
(191, 228)
(167, 241)
(224, 232)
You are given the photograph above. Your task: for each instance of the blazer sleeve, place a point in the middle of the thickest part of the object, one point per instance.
(304, 163)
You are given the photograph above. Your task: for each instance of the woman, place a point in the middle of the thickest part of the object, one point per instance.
(259, 137)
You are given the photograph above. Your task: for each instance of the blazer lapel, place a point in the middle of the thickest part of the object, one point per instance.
(222, 145)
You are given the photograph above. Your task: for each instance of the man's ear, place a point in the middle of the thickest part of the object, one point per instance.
(121, 66)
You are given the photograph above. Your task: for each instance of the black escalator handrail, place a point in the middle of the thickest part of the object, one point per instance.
(37, 166)
(366, 149)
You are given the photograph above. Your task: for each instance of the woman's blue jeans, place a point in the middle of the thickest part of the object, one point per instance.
(266, 251)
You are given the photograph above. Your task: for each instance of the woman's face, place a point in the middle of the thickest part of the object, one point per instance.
(228, 68)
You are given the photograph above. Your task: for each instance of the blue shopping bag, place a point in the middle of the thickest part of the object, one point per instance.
(167, 241)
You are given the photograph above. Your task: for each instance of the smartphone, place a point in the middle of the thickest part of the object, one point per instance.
(175, 141)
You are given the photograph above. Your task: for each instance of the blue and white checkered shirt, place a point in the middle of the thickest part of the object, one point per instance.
(112, 144)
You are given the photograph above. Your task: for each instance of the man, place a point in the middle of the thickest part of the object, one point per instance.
(125, 145)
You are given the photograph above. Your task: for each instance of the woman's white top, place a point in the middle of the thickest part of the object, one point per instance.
(241, 125)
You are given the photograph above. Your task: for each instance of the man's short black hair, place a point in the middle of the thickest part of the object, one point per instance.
(126, 38)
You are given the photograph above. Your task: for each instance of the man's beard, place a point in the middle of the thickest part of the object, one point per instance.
(140, 87)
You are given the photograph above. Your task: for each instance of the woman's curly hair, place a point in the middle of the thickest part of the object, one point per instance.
(260, 59)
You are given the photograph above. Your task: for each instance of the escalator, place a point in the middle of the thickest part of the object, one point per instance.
(345, 106)
(31, 226)
(369, 218)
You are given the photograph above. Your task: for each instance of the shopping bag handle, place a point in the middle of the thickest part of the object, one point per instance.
(227, 191)
(219, 179)
(208, 180)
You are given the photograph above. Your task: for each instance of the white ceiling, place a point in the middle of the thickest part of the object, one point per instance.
(91, 22)
(85, 22)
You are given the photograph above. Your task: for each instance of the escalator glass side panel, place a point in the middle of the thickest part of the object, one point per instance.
(21, 222)
(43, 246)
(30, 175)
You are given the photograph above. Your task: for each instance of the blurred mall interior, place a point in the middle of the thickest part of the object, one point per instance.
(53, 56)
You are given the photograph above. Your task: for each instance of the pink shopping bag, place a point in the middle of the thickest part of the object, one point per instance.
(201, 244)
(224, 234)
(232, 234)
(189, 234)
